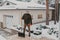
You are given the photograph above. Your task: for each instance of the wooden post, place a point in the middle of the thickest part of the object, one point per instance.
(56, 11)
(47, 13)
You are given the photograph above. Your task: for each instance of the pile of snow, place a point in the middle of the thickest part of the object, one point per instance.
(45, 31)
(51, 25)
(2, 38)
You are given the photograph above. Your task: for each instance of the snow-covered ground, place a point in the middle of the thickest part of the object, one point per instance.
(2, 38)
(51, 25)
(45, 31)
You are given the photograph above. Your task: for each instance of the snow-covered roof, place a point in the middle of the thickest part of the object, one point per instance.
(24, 5)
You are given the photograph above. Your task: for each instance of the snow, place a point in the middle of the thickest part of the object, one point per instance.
(44, 31)
(51, 25)
(8, 7)
(2, 38)
(24, 5)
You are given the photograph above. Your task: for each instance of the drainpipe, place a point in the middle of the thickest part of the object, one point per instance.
(47, 12)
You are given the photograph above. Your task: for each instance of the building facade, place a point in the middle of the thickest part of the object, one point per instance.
(11, 14)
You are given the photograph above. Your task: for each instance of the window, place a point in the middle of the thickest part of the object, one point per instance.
(39, 16)
(19, 0)
(28, 0)
(24, 0)
(1, 1)
(41, 1)
(7, 4)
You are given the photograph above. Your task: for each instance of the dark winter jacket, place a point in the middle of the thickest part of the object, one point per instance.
(27, 18)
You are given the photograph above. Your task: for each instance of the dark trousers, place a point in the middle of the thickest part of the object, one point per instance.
(28, 25)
